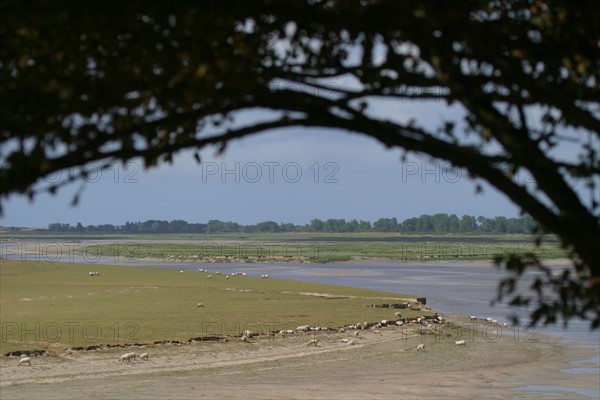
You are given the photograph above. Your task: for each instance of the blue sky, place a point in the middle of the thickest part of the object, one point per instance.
(357, 178)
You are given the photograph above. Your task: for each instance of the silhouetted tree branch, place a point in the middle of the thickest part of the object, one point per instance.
(89, 82)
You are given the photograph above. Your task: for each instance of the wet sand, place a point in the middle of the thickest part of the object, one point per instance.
(382, 366)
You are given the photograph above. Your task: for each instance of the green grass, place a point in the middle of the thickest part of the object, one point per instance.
(127, 304)
(319, 252)
(310, 247)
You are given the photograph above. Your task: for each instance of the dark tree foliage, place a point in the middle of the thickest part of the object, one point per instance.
(443, 224)
(100, 81)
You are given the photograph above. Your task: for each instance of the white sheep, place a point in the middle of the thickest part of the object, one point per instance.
(181, 272)
(127, 357)
(24, 360)
(244, 338)
(460, 343)
(399, 323)
(248, 334)
(420, 347)
(200, 305)
(377, 332)
(397, 314)
(264, 276)
(356, 333)
(473, 318)
(209, 276)
(350, 342)
(313, 342)
(144, 356)
(384, 322)
(227, 277)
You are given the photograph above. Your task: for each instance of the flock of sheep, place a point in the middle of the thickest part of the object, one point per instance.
(490, 320)
(373, 327)
(425, 321)
(129, 357)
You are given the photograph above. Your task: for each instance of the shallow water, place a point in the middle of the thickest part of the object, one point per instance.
(467, 288)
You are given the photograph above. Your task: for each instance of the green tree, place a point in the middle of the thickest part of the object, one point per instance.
(97, 83)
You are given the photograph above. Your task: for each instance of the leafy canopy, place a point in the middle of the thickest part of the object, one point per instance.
(97, 82)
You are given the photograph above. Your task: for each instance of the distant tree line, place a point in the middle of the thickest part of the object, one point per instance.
(438, 223)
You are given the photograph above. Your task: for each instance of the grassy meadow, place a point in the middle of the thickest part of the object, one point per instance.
(299, 247)
(43, 303)
(333, 249)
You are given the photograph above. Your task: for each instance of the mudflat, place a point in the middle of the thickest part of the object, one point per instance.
(382, 365)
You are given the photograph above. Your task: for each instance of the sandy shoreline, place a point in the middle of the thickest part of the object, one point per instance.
(378, 366)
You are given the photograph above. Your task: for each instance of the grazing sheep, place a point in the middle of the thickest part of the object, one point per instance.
(313, 342)
(94, 273)
(200, 305)
(244, 338)
(460, 343)
(505, 325)
(227, 277)
(494, 321)
(384, 322)
(127, 357)
(341, 330)
(24, 360)
(420, 347)
(473, 318)
(350, 342)
(248, 334)
(377, 332)
(144, 356)
(244, 274)
(356, 333)
(399, 323)
(264, 276)
(181, 272)
(397, 314)
(209, 276)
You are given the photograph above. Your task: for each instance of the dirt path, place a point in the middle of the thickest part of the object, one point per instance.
(377, 366)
